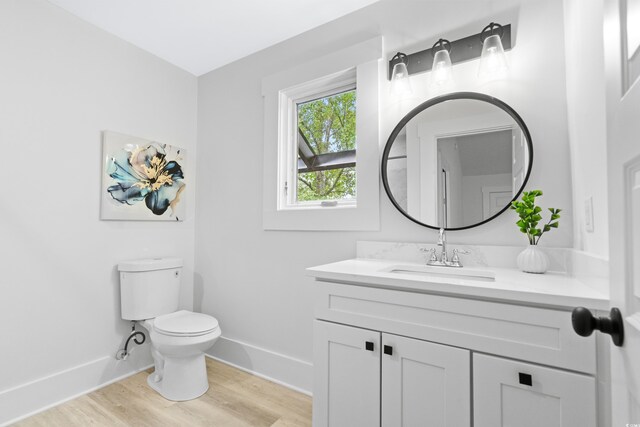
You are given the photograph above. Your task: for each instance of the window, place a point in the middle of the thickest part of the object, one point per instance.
(325, 166)
(321, 142)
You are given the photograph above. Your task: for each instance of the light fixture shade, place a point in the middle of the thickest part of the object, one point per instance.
(493, 62)
(441, 72)
(400, 84)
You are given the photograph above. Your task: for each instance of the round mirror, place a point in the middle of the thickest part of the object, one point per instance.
(457, 161)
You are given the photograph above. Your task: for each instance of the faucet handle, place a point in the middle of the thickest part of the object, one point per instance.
(455, 259)
(457, 252)
(432, 254)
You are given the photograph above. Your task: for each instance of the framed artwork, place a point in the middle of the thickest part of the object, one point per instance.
(141, 179)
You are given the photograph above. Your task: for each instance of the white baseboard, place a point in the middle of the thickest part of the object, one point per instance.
(28, 399)
(281, 369)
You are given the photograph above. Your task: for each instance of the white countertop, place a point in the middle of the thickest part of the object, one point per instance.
(550, 289)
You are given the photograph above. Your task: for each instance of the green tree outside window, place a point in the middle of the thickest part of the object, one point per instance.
(329, 125)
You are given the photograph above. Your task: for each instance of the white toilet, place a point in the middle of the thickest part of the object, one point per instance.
(149, 293)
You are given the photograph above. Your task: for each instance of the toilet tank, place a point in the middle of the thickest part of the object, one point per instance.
(149, 287)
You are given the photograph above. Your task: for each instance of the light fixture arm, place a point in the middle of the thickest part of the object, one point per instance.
(491, 28)
(398, 58)
(442, 44)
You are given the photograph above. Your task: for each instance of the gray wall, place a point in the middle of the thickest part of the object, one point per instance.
(63, 81)
(586, 107)
(253, 280)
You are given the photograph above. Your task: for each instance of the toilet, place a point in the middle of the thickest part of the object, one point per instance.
(149, 294)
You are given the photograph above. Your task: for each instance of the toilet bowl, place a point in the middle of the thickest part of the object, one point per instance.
(149, 294)
(178, 343)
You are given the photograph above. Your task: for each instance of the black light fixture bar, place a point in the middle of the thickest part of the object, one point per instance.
(461, 50)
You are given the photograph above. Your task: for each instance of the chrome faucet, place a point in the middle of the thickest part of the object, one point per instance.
(443, 260)
(442, 242)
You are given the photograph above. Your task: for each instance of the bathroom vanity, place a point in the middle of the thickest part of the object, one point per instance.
(404, 335)
(396, 344)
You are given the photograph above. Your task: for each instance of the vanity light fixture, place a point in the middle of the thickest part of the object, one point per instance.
(441, 68)
(400, 84)
(493, 62)
(496, 38)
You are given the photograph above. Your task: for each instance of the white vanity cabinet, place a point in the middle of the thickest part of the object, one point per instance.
(363, 377)
(554, 397)
(346, 376)
(424, 381)
(388, 357)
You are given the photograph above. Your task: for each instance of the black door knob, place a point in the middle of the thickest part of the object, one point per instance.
(584, 323)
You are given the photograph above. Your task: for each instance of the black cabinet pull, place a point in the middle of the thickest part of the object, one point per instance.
(584, 323)
(525, 379)
(388, 350)
(368, 345)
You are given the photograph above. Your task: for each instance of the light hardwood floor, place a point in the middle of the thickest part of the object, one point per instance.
(235, 398)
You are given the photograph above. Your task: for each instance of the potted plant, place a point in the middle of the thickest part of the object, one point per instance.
(532, 259)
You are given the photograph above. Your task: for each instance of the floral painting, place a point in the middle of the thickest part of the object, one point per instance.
(142, 179)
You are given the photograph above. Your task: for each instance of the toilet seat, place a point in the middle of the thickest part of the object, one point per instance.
(185, 323)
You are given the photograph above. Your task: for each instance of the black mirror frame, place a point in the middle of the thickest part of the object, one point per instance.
(437, 100)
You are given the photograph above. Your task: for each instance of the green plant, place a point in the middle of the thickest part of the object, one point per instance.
(530, 216)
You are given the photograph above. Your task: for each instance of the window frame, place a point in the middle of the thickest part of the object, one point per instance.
(365, 60)
(288, 141)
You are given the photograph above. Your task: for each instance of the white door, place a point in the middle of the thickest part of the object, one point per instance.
(622, 55)
(507, 393)
(424, 384)
(346, 384)
(494, 199)
(520, 159)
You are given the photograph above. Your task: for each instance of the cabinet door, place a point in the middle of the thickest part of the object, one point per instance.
(508, 393)
(425, 384)
(346, 388)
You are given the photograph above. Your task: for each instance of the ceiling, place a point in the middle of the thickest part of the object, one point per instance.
(201, 35)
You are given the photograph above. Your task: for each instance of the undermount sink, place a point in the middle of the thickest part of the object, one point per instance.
(447, 272)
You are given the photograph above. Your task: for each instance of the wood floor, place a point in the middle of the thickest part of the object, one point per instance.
(235, 398)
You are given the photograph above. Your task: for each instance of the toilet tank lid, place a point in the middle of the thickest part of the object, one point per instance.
(150, 264)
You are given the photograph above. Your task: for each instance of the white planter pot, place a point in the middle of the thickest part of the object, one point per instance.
(533, 260)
